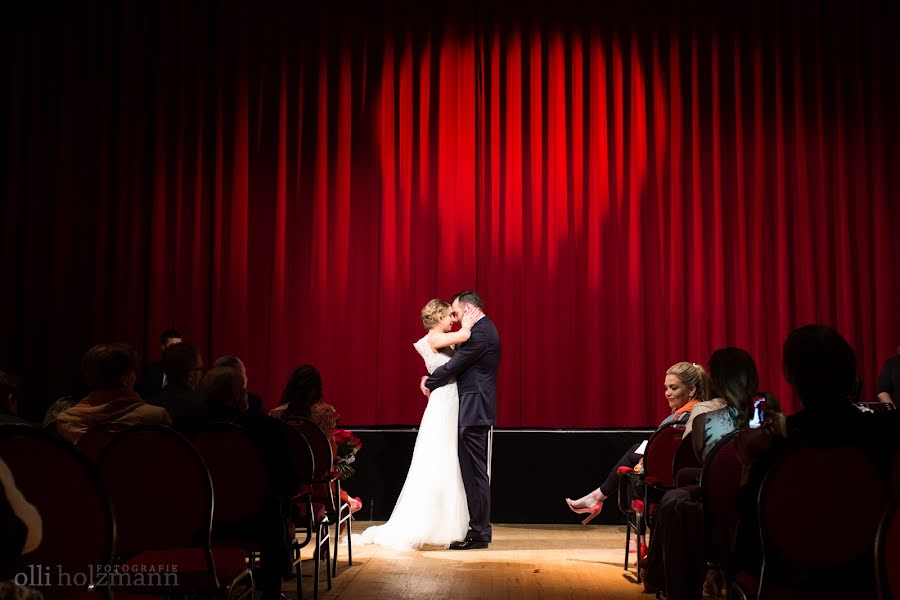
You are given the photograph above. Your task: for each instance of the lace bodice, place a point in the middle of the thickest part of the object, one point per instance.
(433, 360)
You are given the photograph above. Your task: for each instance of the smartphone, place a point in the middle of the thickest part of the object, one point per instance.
(759, 412)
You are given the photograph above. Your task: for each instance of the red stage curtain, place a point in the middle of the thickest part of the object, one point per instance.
(625, 190)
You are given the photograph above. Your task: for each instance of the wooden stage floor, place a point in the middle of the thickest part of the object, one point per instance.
(524, 562)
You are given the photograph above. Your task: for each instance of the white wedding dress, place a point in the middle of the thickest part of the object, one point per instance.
(431, 509)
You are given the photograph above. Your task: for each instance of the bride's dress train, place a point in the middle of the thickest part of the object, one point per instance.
(431, 509)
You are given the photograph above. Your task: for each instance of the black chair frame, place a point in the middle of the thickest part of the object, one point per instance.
(634, 521)
(16, 429)
(204, 542)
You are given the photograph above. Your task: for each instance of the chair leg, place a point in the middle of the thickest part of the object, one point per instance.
(350, 540)
(323, 539)
(638, 534)
(639, 580)
(341, 519)
(337, 539)
(298, 575)
(627, 540)
(316, 562)
(327, 553)
(233, 586)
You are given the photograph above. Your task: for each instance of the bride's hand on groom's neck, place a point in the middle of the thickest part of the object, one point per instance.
(472, 314)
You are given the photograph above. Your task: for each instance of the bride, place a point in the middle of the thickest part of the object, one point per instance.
(432, 509)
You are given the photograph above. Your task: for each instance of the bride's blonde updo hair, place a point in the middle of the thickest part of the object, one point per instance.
(433, 312)
(692, 375)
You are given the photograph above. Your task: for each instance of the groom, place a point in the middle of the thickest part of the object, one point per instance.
(474, 366)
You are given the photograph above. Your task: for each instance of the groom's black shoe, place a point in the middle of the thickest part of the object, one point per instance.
(469, 544)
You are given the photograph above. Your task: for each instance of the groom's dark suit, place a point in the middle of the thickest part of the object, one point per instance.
(475, 368)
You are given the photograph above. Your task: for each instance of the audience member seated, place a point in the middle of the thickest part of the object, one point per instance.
(889, 379)
(302, 398)
(222, 389)
(9, 412)
(686, 384)
(153, 376)
(734, 381)
(109, 370)
(254, 402)
(821, 367)
(58, 406)
(701, 408)
(183, 367)
(675, 560)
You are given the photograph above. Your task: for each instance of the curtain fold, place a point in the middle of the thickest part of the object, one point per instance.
(292, 185)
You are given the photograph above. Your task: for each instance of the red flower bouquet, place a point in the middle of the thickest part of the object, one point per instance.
(347, 447)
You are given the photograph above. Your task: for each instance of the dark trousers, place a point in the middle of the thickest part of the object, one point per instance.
(629, 459)
(473, 463)
(676, 563)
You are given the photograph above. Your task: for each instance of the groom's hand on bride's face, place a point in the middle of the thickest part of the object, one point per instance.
(424, 389)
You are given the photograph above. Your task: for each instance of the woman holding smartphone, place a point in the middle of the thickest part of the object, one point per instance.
(734, 379)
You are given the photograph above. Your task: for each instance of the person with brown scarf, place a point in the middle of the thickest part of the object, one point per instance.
(110, 371)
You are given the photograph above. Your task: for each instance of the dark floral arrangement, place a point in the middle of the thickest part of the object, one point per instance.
(347, 447)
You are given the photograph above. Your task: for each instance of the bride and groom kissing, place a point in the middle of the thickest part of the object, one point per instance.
(446, 498)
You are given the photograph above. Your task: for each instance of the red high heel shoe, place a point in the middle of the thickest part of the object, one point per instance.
(642, 548)
(355, 504)
(592, 510)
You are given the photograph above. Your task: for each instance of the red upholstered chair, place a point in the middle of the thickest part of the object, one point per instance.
(311, 515)
(720, 482)
(162, 499)
(685, 458)
(655, 479)
(809, 549)
(887, 553)
(77, 522)
(240, 480)
(327, 489)
(239, 475)
(94, 440)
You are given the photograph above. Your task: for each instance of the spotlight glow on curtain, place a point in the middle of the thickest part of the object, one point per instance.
(291, 188)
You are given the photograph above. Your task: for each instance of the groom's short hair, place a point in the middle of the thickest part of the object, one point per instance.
(469, 297)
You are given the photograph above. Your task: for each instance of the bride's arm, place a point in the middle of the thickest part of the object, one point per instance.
(442, 340)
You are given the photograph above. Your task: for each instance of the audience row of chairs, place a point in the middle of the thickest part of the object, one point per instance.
(145, 499)
(823, 510)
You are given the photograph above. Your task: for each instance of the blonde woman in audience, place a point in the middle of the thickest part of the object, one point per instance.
(685, 385)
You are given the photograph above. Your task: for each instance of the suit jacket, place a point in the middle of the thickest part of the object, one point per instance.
(475, 367)
(255, 405)
(186, 407)
(151, 383)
